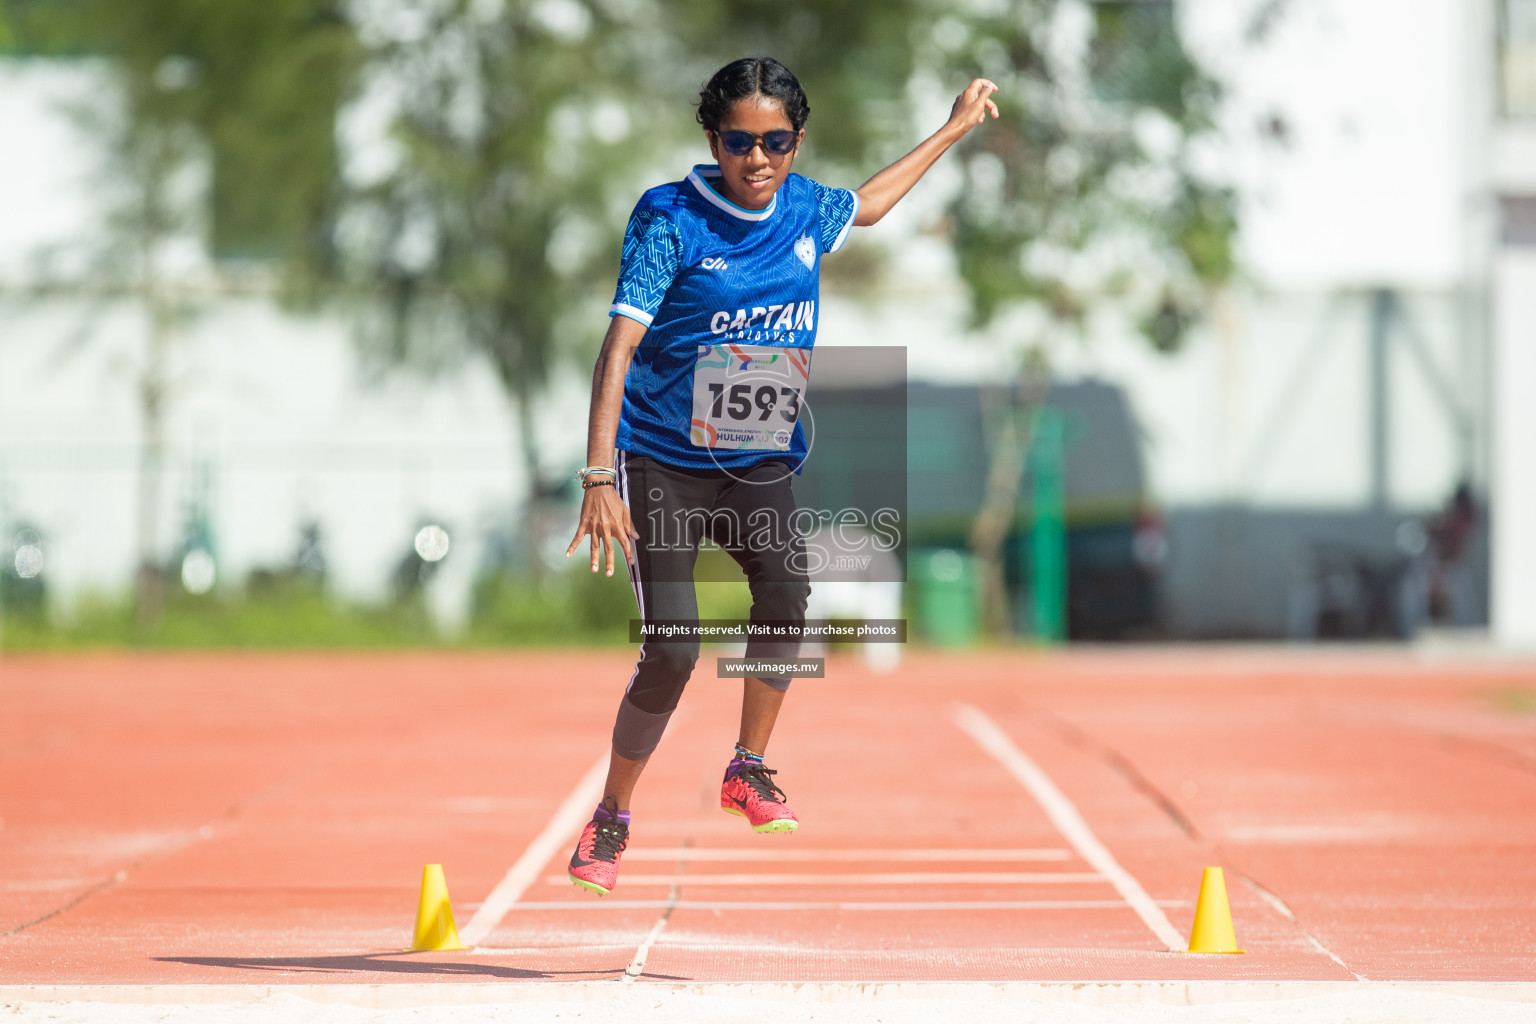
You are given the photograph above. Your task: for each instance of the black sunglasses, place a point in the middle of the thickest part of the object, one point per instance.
(775, 143)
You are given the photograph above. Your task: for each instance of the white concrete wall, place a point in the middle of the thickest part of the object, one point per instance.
(277, 405)
(1514, 455)
(1511, 172)
(280, 410)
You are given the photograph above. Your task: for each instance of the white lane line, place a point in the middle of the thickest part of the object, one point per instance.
(568, 819)
(536, 950)
(1067, 820)
(672, 853)
(637, 965)
(902, 905)
(1285, 911)
(897, 878)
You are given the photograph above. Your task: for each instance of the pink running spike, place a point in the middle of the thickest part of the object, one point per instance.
(595, 864)
(749, 792)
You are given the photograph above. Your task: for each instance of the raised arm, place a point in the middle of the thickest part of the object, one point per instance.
(884, 190)
(603, 516)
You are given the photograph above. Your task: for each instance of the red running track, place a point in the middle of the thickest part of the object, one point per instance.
(244, 818)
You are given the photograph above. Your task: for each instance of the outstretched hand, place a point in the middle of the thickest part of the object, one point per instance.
(972, 106)
(884, 190)
(606, 520)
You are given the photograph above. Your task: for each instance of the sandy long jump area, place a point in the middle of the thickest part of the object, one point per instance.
(240, 837)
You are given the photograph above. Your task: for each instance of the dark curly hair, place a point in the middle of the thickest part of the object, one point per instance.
(751, 76)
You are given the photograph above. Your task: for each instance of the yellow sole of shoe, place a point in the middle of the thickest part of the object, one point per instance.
(592, 886)
(777, 825)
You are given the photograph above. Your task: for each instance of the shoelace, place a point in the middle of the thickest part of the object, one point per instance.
(756, 776)
(609, 840)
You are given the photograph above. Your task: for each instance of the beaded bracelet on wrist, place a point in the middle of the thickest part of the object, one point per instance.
(586, 471)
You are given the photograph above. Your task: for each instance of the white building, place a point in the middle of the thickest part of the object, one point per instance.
(1511, 27)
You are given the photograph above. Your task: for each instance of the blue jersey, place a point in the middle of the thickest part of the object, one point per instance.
(699, 271)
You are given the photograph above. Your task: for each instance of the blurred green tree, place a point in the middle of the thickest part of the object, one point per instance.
(856, 61)
(1086, 193)
(525, 130)
(489, 223)
(216, 123)
(854, 58)
(1087, 188)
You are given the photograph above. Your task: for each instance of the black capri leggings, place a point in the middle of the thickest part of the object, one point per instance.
(748, 512)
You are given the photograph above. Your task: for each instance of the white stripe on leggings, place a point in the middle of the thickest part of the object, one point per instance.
(634, 565)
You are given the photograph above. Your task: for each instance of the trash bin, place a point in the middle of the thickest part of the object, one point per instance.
(947, 607)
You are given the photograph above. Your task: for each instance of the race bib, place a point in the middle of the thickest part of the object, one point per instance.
(747, 397)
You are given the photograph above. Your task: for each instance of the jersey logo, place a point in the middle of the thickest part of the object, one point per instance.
(806, 250)
(713, 263)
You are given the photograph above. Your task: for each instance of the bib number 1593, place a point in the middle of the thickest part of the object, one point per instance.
(747, 397)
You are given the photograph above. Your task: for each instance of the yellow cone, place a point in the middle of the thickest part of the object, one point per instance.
(434, 914)
(1212, 932)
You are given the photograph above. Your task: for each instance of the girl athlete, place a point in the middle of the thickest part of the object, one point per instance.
(718, 278)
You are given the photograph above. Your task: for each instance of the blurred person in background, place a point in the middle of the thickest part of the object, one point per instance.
(1450, 538)
(719, 276)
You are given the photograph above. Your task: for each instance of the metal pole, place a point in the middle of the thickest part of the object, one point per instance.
(1381, 388)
